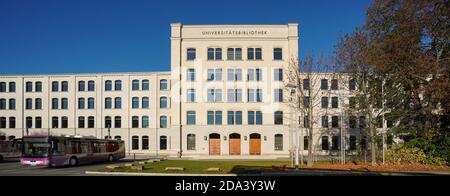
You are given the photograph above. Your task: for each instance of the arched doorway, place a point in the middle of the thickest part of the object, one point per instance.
(255, 144)
(214, 144)
(235, 144)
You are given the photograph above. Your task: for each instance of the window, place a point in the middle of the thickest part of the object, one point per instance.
(81, 86)
(163, 102)
(324, 102)
(278, 118)
(191, 54)
(54, 86)
(163, 84)
(305, 142)
(108, 122)
(238, 118)
(325, 145)
(306, 122)
(145, 103)
(91, 103)
(80, 103)
(38, 104)
(352, 142)
(234, 95)
(335, 121)
(218, 75)
(259, 118)
(190, 95)
(64, 86)
(91, 122)
(335, 143)
(117, 103)
(108, 103)
(163, 142)
(12, 122)
(145, 85)
(135, 142)
(191, 118)
(64, 122)
(362, 122)
(230, 74)
(305, 84)
(214, 53)
(278, 142)
(55, 103)
(218, 116)
(210, 75)
(163, 122)
(253, 74)
(135, 85)
(117, 137)
(3, 104)
(230, 117)
(191, 142)
(118, 122)
(234, 54)
(234, 75)
(352, 102)
(352, 122)
(12, 87)
(334, 84)
(254, 97)
(278, 95)
(324, 84)
(38, 87)
(254, 118)
(135, 122)
(278, 54)
(144, 121)
(38, 122)
(214, 95)
(324, 121)
(91, 85)
(144, 142)
(190, 75)
(278, 74)
(235, 117)
(118, 85)
(108, 85)
(306, 102)
(28, 87)
(135, 102)
(64, 103)
(29, 121)
(81, 122)
(334, 102)
(3, 123)
(210, 118)
(352, 84)
(54, 122)
(251, 117)
(254, 53)
(3, 88)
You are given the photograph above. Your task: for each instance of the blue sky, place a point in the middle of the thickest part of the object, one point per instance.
(83, 36)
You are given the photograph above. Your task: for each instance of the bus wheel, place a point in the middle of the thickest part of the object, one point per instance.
(73, 161)
(110, 158)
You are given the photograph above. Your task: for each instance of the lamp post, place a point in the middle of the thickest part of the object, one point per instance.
(109, 131)
(296, 149)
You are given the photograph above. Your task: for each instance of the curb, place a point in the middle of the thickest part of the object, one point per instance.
(150, 174)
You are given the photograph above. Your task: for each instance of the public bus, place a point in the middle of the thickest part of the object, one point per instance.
(10, 150)
(55, 151)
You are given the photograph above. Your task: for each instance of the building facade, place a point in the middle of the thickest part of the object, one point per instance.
(225, 95)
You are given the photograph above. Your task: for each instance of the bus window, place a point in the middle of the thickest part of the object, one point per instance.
(112, 146)
(76, 147)
(58, 147)
(84, 147)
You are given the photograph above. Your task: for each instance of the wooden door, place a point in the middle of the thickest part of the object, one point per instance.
(255, 146)
(235, 146)
(214, 146)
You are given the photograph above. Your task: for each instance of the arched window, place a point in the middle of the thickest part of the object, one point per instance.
(163, 84)
(3, 104)
(118, 85)
(54, 122)
(55, 103)
(81, 103)
(2, 87)
(191, 142)
(64, 86)
(91, 103)
(64, 103)
(117, 137)
(108, 122)
(118, 103)
(135, 143)
(91, 122)
(144, 142)
(145, 103)
(163, 122)
(2, 122)
(12, 122)
(38, 86)
(64, 122)
(145, 85)
(91, 85)
(38, 103)
(135, 85)
(29, 87)
(38, 121)
(278, 142)
(29, 121)
(108, 85)
(163, 142)
(135, 102)
(2, 138)
(11, 137)
(55, 86)
(163, 102)
(12, 87)
(108, 104)
(28, 104)
(144, 121)
(118, 122)
(81, 86)
(135, 122)
(81, 122)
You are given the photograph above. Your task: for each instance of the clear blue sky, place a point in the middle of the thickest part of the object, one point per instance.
(82, 36)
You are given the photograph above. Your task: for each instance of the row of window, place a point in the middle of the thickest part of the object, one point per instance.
(12, 87)
(11, 103)
(145, 142)
(234, 54)
(233, 117)
(234, 74)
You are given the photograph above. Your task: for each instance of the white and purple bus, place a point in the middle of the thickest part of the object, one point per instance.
(54, 151)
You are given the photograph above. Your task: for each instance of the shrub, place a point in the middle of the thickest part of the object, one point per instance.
(404, 154)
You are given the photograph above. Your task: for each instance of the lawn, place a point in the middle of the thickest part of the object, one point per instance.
(201, 167)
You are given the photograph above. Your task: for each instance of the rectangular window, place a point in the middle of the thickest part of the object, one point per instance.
(210, 118)
(352, 122)
(324, 102)
(230, 74)
(306, 122)
(334, 84)
(306, 102)
(234, 54)
(254, 53)
(230, 95)
(191, 75)
(210, 76)
(334, 102)
(258, 74)
(238, 75)
(305, 84)
(278, 75)
(325, 145)
(324, 84)
(238, 117)
(324, 121)
(230, 117)
(191, 95)
(335, 121)
(352, 142)
(251, 95)
(191, 117)
(278, 54)
(335, 143)
(250, 74)
(238, 95)
(305, 142)
(191, 54)
(362, 122)
(218, 75)
(251, 117)
(218, 117)
(259, 118)
(214, 53)
(278, 95)
(352, 84)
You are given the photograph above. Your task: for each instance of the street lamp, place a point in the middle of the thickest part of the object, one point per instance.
(293, 88)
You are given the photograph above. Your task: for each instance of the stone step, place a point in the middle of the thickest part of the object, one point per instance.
(174, 168)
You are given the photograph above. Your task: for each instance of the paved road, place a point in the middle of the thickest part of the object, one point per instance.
(15, 169)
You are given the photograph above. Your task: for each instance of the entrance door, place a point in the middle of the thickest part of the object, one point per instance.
(235, 144)
(214, 144)
(255, 144)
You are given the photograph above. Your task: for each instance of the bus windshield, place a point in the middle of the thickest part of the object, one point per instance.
(36, 149)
